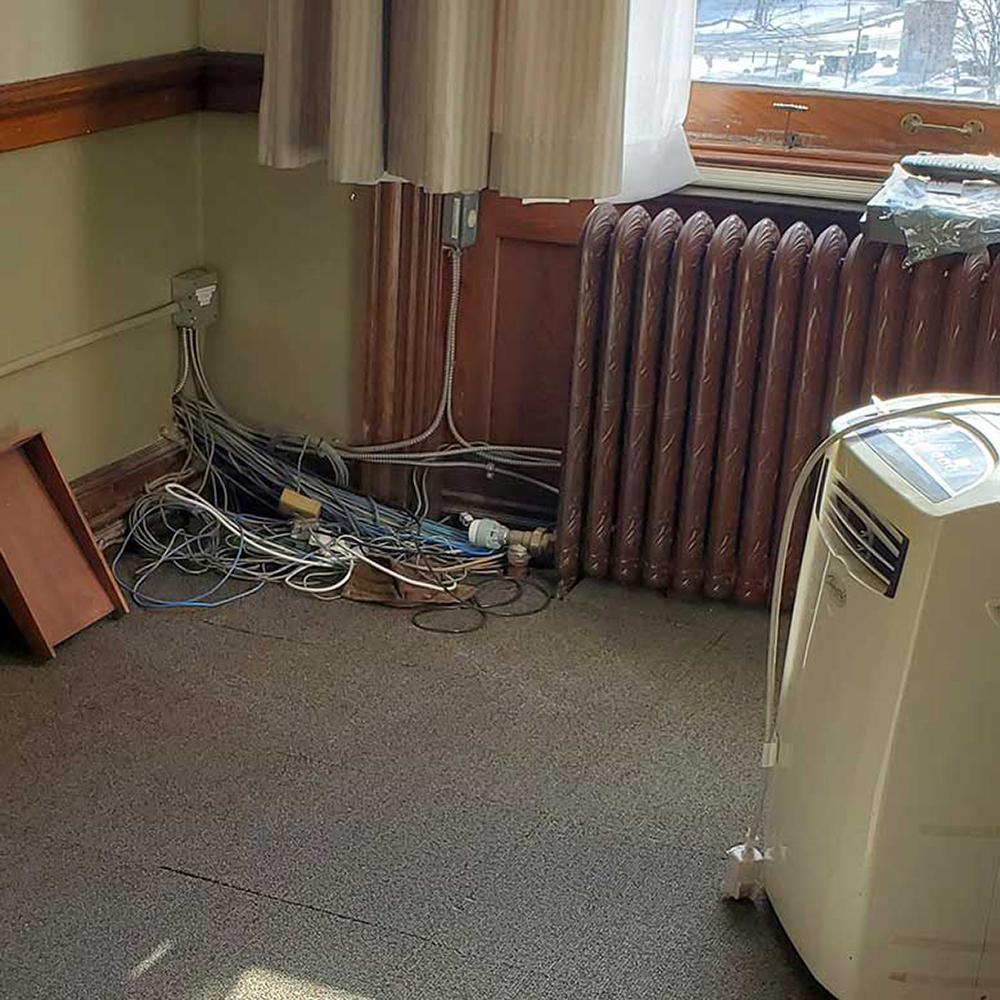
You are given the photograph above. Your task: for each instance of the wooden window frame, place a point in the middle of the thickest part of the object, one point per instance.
(841, 135)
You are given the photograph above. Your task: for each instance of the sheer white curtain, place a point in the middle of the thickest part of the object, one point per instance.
(657, 158)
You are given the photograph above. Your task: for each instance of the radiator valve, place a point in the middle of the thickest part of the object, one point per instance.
(518, 562)
(486, 533)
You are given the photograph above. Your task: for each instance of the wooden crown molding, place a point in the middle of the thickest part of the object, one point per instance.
(92, 100)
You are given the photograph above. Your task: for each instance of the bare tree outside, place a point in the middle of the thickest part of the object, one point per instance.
(977, 42)
(946, 49)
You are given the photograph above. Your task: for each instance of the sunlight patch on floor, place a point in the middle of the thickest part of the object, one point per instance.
(143, 966)
(266, 984)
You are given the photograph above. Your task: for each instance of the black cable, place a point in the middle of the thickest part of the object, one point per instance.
(496, 609)
(418, 618)
(476, 603)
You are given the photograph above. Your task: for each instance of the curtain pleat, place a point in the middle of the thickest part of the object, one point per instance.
(294, 104)
(440, 62)
(356, 127)
(559, 114)
(527, 96)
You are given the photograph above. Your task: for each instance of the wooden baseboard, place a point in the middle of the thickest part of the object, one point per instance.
(106, 494)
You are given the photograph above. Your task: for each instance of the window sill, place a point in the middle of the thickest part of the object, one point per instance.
(749, 180)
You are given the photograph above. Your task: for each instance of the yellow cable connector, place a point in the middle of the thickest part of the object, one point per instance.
(294, 504)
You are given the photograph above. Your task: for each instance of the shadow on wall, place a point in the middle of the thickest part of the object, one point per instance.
(290, 247)
(233, 25)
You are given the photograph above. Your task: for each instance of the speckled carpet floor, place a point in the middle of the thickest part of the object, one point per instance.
(283, 799)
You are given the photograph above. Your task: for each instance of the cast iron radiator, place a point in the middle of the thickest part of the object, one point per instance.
(709, 361)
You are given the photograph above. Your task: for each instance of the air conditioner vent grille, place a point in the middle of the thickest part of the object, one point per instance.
(870, 539)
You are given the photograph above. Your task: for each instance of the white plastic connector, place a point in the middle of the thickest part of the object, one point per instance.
(744, 875)
(769, 753)
(485, 533)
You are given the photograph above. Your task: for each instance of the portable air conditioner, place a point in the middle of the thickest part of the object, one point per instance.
(881, 828)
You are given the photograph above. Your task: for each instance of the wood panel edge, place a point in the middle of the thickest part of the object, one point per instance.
(66, 503)
(106, 494)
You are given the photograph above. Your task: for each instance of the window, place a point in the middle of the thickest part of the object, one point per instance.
(849, 84)
(945, 49)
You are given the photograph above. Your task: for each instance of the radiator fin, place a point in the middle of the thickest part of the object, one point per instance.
(654, 266)
(753, 577)
(812, 349)
(626, 244)
(885, 325)
(737, 404)
(986, 363)
(684, 293)
(961, 317)
(709, 361)
(712, 337)
(594, 241)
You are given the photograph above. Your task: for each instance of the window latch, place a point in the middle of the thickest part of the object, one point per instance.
(913, 123)
(790, 139)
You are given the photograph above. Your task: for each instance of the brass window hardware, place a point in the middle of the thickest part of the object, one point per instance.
(914, 123)
(790, 139)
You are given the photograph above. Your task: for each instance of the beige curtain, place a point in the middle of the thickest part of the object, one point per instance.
(526, 96)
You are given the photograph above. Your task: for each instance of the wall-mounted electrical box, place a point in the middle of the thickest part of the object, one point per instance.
(196, 293)
(460, 220)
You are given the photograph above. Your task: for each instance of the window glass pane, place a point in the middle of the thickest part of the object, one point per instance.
(947, 49)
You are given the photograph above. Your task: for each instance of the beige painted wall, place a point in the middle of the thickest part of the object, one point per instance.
(285, 242)
(285, 353)
(233, 25)
(44, 37)
(93, 228)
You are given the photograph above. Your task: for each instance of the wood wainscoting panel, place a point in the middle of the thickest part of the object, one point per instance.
(403, 330)
(515, 344)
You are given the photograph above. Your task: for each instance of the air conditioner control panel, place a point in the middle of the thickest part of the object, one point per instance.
(940, 457)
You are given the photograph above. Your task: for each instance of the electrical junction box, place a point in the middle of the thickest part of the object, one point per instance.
(196, 293)
(460, 220)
